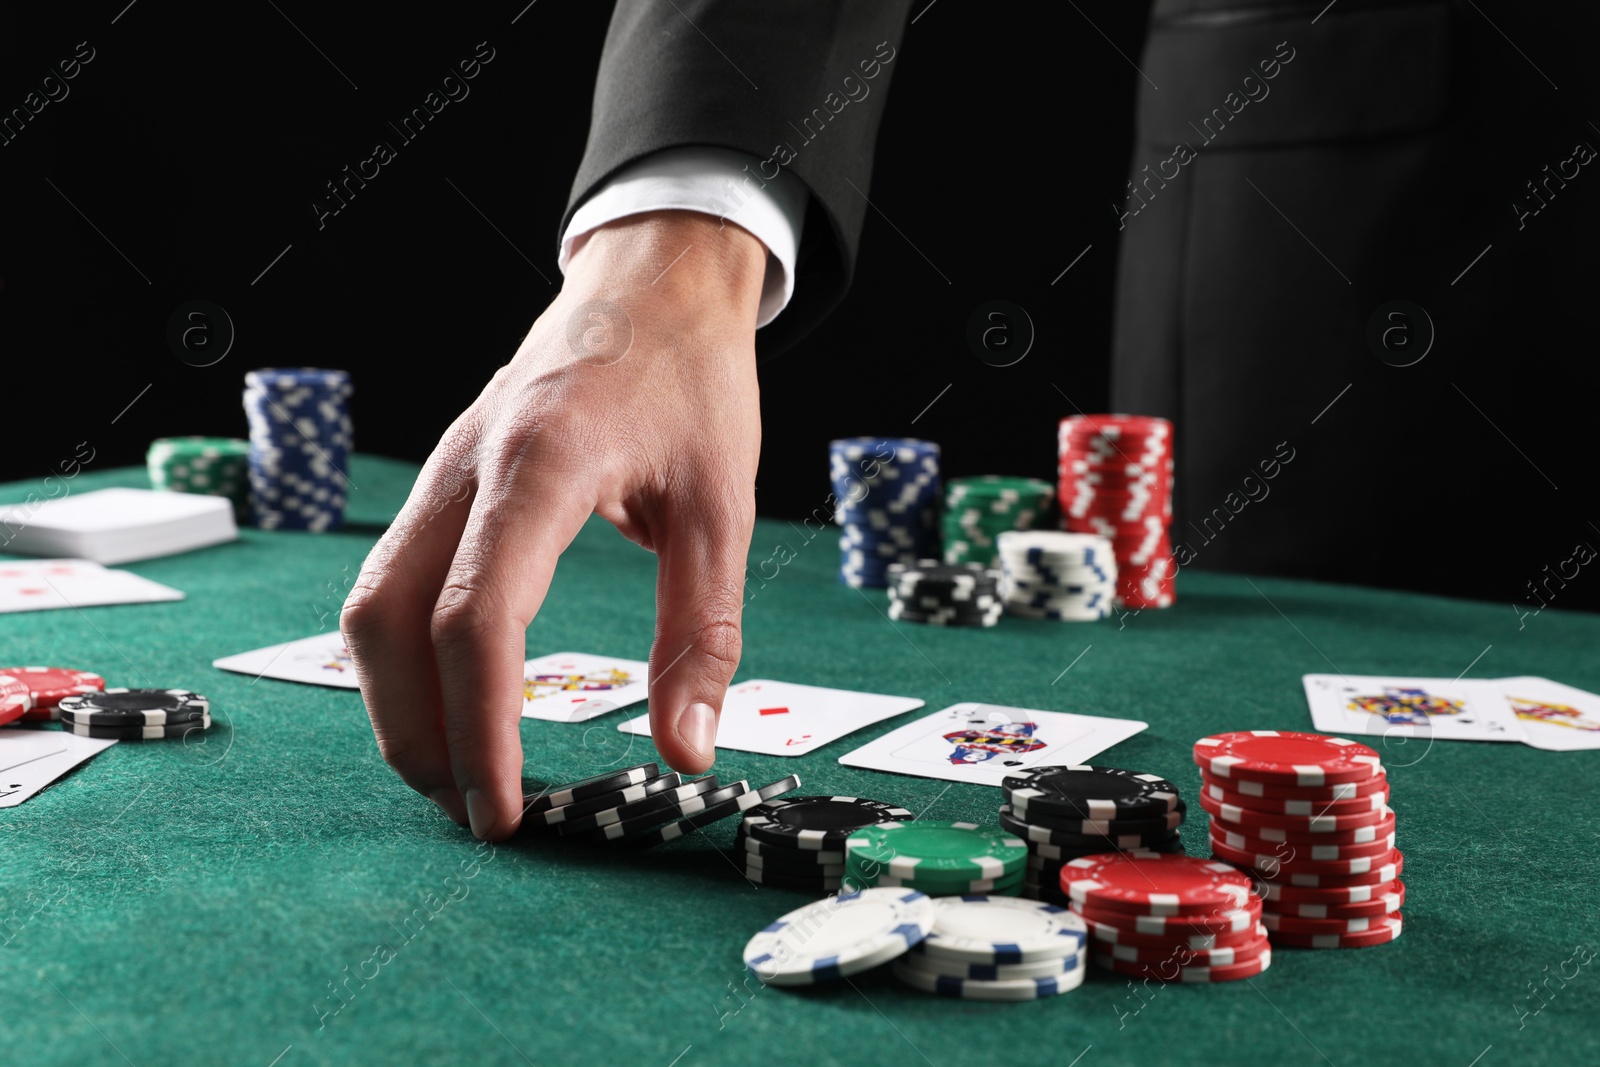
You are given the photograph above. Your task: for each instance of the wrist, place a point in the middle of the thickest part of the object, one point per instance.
(673, 255)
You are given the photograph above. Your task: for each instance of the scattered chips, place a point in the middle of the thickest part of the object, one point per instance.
(839, 936)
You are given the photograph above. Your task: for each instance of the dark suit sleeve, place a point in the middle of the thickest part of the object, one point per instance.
(779, 79)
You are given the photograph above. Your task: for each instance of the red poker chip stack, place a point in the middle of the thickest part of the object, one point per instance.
(1116, 482)
(1171, 918)
(1307, 815)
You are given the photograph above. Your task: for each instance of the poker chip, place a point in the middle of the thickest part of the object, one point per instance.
(709, 812)
(210, 466)
(1090, 841)
(839, 936)
(1220, 956)
(1291, 865)
(628, 794)
(808, 870)
(1008, 886)
(1015, 989)
(937, 849)
(1291, 851)
(1338, 791)
(887, 494)
(1115, 482)
(1344, 838)
(1094, 793)
(978, 510)
(137, 733)
(943, 594)
(644, 815)
(816, 885)
(1158, 826)
(1296, 924)
(48, 685)
(1381, 932)
(15, 698)
(1114, 933)
(300, 441)
(818, 823)
(1221, 921)
(1048, 852)
(133, 708)
(1002, 930)
(1171, 971)
(1377, 875)
(1259, 821)
(601, 784)
(1286, 758)
(1284, 806)
(1151, 883)
(1293, 896)
(789, 853)
(990, 972)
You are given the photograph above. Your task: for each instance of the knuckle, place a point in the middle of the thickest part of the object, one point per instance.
(463, 615)
(720, 641)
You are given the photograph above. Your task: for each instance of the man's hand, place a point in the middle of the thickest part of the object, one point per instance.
(634, 396)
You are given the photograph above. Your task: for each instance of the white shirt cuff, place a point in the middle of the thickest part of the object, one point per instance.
(716, 181)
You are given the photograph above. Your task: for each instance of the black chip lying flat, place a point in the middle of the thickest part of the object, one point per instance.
(1090, 793)
(134, 707)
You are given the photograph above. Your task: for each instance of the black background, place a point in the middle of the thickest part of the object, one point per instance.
(195, 141)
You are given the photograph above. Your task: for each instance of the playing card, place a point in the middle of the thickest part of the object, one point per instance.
(22, 781)
(788, 719)
(1375, 706)
(317, 660)
(1552, 716)
(576, 686)
(984, 743)
(24, 746)
(44, 584)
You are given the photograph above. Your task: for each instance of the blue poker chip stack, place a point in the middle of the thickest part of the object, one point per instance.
(887, 495)
(300, 440)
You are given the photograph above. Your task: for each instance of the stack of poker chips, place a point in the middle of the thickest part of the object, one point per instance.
(1168, 918)
(1046, 574)
(33, 694)
(1307, 814)
(1116, 481)
(1067, 812)
(940, 859)
(799, 843)
(135, 714)
(978, 510)
(887, 494)
(211, 466)
(640, 806)
(997, 948)
(300, 440)
(944, 594)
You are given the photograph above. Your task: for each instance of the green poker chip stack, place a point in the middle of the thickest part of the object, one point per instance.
(978, 510)
(211, 466)
(941, 859)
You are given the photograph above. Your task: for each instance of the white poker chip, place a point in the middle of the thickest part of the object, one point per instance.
(839, 936)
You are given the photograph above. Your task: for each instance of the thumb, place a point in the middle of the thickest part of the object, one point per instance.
(699, 600)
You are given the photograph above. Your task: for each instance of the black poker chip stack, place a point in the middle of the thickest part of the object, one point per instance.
(798, 843)
(1064, 813)
(944, 594)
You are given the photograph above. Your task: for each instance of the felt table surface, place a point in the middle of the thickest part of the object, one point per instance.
(276, 895)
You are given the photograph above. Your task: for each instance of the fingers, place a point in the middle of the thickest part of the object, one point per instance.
(699, 600)
(385, 627)
(501, 572)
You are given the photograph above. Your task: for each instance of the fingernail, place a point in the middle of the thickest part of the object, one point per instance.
(479, 813)
(697, 729)
(450, 801)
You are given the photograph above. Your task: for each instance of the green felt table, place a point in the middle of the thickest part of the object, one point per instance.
(278, 896)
